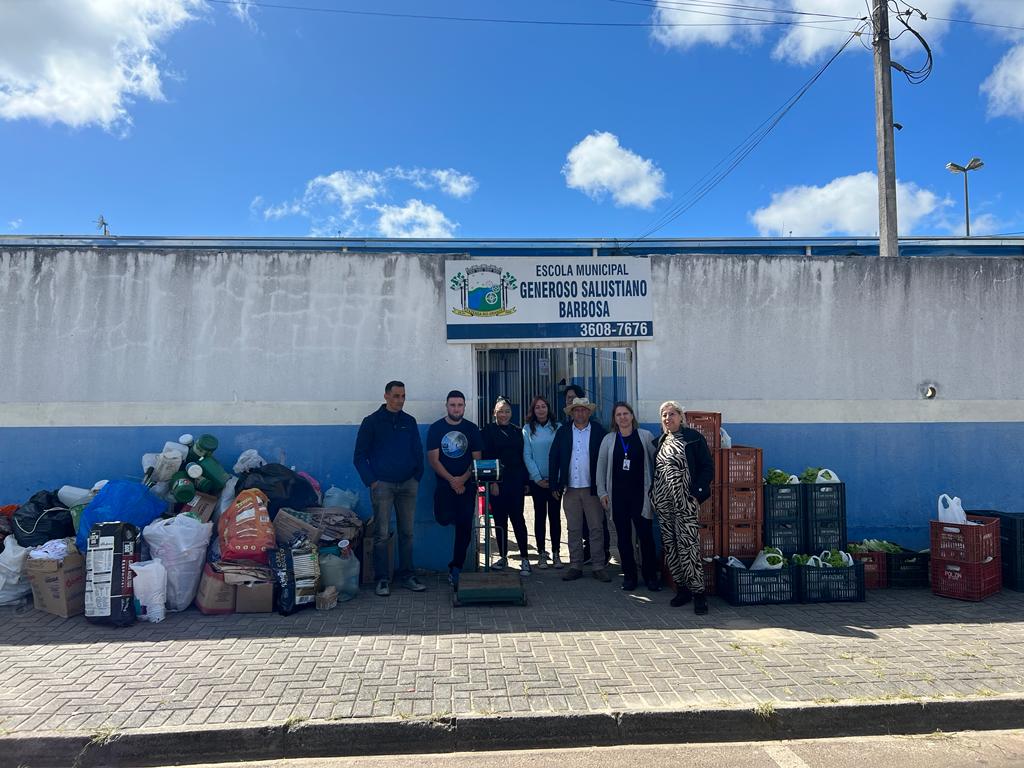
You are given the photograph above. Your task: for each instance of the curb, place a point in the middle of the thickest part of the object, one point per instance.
(472, 733)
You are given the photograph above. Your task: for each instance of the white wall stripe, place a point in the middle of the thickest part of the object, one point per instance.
(348, 412)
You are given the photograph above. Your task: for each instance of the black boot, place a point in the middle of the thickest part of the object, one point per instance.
(682, 597)
(700, 604)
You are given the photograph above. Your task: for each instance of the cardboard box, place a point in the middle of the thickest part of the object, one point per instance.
(214, 596)
(58, 586)
(367, 575)
(337, 523)
(255, 597)
(286, 525)
(202, 506)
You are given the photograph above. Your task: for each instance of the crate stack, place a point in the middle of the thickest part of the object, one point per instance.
(742, 528)
(824, 516)
(1011, 549)
(785, 518)
(709, 516)
(966, 561)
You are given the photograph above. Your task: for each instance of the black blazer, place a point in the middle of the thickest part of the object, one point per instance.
(561, 456)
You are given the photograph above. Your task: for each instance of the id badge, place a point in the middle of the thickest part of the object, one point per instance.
(625, 465)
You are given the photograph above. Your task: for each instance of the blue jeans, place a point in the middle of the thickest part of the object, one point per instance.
(401, 496)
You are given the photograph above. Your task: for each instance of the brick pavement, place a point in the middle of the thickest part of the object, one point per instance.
(577, 647)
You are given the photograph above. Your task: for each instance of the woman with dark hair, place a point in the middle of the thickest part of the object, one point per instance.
(538, 433)
(683, 472)
(504, 441)
(625, 466)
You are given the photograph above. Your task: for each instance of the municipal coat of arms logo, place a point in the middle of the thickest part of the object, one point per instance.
(483, 291)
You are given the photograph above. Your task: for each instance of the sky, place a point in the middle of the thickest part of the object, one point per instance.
(562, 118)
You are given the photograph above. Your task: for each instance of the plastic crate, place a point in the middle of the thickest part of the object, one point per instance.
(741, 466)
(783, 503)
(875, 572)
(907, 569)
(787, 536)
(831, 585)
(966, 581)
(709, 543)
(709, 578)
(966, 543)
(708, 424)
(741, 505)
(711, 510)
(825, 501)
(742, 540)
(1011, 540)
(766, 587)
(821, 534)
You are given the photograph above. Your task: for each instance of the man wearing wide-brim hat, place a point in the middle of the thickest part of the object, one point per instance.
(573, 467)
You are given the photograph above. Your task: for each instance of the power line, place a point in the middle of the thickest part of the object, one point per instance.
(690, 4)
(685, 7)
(714, 177)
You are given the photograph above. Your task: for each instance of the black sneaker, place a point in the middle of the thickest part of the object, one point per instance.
(654, 586)
(700, 604)
(572, 574)
(628, 585)
(682, 597)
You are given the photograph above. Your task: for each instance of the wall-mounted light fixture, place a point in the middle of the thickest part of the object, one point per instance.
(929, 391)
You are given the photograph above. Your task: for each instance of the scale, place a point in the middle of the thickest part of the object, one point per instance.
(487, 586)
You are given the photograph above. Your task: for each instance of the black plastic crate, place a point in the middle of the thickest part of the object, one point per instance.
(763, 587)
(787, 536)
(824, 516)
(907, 569)
(783, 503)
(820, 535)
(831, 585)
(1011, 545)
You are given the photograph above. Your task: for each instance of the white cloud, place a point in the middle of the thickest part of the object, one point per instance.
(985, 224)
(414, 219)
(337, 203)
(14, 224)
(847, 205)
(1005, 86)
(709, 24)
(84, 63)
(598, 165)
(243, 11)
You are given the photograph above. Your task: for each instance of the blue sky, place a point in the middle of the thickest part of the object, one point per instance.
(189, 117)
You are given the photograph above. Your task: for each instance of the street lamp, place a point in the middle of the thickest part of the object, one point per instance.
(974, 165)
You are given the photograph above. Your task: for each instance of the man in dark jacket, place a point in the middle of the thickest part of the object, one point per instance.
(389, 459)
(573, 468)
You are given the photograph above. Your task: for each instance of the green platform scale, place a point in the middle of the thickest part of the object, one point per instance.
(484, 585)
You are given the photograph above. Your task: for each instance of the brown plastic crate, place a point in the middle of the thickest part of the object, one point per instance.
(874, 569)
(741, 540)
(742, 505)
(708, 424)
(966, 543)
(966, 581)
(711, 510)
(709, 577)
(741, 466)
(709, 541)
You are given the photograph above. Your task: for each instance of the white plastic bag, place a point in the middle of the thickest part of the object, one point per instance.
(827, 476)
(847, 559)
(227, 498)
(793, 480)
(14, 586)
(342, 573)
(726, 439)
(951, 510)
(735, 562)
(767, 559)
(249, 459)
(149, 586)
(180, 544)
(336, 497)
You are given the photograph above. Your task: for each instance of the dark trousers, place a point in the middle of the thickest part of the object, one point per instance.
(545, 509)
(627, 513)
(507, 507)
(462, 507)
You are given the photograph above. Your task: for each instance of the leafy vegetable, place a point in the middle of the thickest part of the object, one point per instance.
(810, 475)
(777, 477)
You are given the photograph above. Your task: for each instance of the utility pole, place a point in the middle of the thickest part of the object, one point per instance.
(887, 242)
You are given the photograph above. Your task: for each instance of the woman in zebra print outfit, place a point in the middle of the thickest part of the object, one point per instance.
(683, 472)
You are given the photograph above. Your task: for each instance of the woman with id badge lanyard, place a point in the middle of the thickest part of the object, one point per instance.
(625, 466)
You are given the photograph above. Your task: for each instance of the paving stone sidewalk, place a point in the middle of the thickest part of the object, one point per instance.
(577, 647)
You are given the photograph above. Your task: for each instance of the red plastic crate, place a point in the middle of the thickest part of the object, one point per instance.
(875, 576)
(708, 424)
(709, 543)
(709, 578)
(741, 466)
(711, 510)
(966, 581)
(742, 505)
(966, 543)
(741, 540)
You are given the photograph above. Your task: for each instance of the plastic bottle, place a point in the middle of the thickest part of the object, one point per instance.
(193, 470)
(214, 472)
(70, 496)
(182, 488)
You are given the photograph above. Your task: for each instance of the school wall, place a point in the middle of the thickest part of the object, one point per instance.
(107, 352)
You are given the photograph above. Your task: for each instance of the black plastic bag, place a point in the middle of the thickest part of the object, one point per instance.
(41, 519)
(282, 486)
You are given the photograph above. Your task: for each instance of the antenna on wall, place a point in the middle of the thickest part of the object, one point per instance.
(101, 224)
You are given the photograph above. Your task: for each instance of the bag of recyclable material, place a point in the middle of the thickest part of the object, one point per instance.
(14, 584)
(245, 531)
(951, 510)
(282, 487)
(41, 519)
(122, 501)
(180, 544)
(296, 569)
(149, 586)
(340, 571)
(249, 459)
(338, 497)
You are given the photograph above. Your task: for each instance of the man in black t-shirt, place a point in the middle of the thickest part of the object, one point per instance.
(452, 444)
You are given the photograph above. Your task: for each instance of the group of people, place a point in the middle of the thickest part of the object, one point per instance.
(575, 466)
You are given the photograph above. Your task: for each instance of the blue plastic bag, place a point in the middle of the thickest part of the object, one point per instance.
(120, 501)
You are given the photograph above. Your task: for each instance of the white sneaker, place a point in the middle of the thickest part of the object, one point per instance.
(542, 561)
(558, 561)
(499, 564)
(383, 588)
(525, 569)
